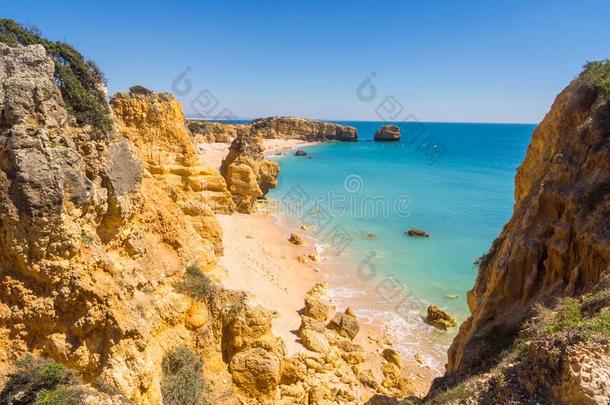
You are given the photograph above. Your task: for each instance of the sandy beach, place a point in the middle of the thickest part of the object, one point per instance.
(259, 259)
(214, 153)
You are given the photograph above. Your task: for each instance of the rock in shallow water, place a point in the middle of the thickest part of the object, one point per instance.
(387, 133)
(439, 318)
(417, 233)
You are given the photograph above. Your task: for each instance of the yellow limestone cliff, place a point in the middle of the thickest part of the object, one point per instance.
(105, 238)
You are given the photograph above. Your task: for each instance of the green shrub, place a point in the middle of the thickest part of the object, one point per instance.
(195, 284)
(33, 378)
(182, 382)
(78, 78)
(600, 324)
(61, 396)
(454, 394)
(597, 74)
(569, 316)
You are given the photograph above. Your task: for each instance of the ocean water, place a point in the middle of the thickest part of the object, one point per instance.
(453, 180)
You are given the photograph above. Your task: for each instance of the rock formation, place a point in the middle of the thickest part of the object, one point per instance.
(206, 131)
(387, 133)
(97, 227)
(300, 128)
(154, 123)
(439, 318)
(296, 239)
(248, 174)
(107, 234)
(417, 233)
(557, 243)
(272, 128)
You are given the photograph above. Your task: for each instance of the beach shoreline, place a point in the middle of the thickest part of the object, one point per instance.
(259, 259)
(213, 153)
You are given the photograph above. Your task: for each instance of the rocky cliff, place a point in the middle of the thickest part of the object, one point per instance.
(96, 227)
(206, 131)
(108, 241)
(556, 245)
(248, 174)
(155, 125)
(300, 128)
(274, 128)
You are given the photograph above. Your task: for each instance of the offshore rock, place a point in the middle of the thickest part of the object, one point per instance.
(439, 318)
(387, 133)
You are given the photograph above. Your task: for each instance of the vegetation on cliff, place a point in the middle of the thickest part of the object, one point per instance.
(80, 80)
(41, 382)
(597, 74)
(183, 382)
(540, 325)
(542, 365)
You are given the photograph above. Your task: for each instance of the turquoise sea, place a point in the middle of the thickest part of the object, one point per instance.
(453, 180)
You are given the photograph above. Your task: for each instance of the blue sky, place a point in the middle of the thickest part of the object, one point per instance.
(476, 61)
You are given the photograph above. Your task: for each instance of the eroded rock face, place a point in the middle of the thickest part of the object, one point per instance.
(92, 238)
(572, 374)
(206, 131)
(59, 188)
(154, 123)
(248, 174)
(387, 133)
(558, 241)
(300, 128)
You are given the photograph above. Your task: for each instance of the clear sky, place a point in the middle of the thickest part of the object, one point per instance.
(466, 61)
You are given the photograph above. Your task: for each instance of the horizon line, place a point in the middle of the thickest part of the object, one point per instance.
(187, 116)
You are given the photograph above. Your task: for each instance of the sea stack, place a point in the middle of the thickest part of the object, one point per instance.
(387, 133)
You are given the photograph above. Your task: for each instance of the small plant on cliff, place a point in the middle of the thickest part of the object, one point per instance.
(597, 74)
(61, 396)
(183, 382)
(79, 79)
(195, 284)
(40, 381)
(568, 316)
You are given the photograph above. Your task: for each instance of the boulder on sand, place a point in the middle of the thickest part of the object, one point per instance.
(387, 133)
(296, 239)
(314, 341)
(345, 325)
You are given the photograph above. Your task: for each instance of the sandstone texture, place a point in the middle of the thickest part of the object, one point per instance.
(206, 131)
(154, 124)
(249, 176)
(387, 133)
(272, 128)
(558, 241)
(439, 318)
(300, 128)
(97, 228)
